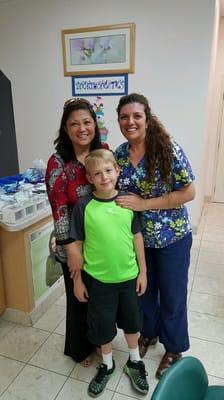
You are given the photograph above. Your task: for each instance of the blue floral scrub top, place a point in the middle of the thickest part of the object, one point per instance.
(162, 227)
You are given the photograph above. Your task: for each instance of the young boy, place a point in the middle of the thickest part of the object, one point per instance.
(109, 240)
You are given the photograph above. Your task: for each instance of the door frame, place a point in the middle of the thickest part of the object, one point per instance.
(218, 137)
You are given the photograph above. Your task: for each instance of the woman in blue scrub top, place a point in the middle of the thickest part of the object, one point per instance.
(157, 178)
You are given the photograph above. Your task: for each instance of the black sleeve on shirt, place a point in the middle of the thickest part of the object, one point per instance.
(62, 242)
(137, 225)
(76, 231)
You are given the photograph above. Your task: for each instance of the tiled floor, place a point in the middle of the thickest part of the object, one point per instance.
(32, 364)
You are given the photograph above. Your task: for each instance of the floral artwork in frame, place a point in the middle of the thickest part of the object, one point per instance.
(99, 50)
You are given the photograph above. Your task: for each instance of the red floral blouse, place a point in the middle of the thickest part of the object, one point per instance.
(66, 182)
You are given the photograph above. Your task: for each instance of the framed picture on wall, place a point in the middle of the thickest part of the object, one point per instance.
(99, 50)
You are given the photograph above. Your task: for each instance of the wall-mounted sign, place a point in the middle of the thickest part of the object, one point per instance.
(100, 85)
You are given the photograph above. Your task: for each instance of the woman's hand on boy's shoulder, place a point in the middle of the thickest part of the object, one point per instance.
(131, 201)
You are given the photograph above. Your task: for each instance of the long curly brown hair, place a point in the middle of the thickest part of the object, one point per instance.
(158, 146)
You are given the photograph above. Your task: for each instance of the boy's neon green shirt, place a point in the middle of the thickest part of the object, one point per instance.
(107, 232)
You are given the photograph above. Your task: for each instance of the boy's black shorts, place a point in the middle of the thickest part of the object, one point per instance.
(110, 304)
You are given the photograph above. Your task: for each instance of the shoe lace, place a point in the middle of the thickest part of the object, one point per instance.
(141, 368)
(102, 371)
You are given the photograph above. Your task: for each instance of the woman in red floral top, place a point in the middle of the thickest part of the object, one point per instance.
(66, 183)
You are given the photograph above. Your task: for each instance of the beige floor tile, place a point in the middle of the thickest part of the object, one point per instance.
(213, 246)
(212, 229)
(213, 380)
(22, 342)
(212, 257)
(210, 354)
(76, 390)
(211, 270)
(207, 304)
(51, 318)
(34, 384)
(60, 329)
(214, 237)
(61, 301)
(50, 356)
(200, 227)
(5, 327)
(209, 285)
(192, 267)
(200, 230)
(119, 396)
(190, 282)
(215, 219)
(196, 243)
(206, 327)
(9, 369)
(215, 206)
(194, 254)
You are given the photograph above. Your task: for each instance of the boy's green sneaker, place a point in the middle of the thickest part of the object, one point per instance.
(137, 373)
(98, 383)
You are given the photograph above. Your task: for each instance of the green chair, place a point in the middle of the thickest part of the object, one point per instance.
(186, 380)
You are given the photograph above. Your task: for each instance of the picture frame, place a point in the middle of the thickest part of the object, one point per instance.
(98, 50)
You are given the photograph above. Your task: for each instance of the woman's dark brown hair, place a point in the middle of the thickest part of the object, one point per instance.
(158, 147)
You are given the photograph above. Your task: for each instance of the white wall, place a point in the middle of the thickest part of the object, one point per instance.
(173, 52)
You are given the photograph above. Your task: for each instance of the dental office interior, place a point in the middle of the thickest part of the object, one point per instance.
(179, 67)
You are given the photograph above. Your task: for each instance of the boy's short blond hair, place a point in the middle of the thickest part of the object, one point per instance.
(98, 155)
